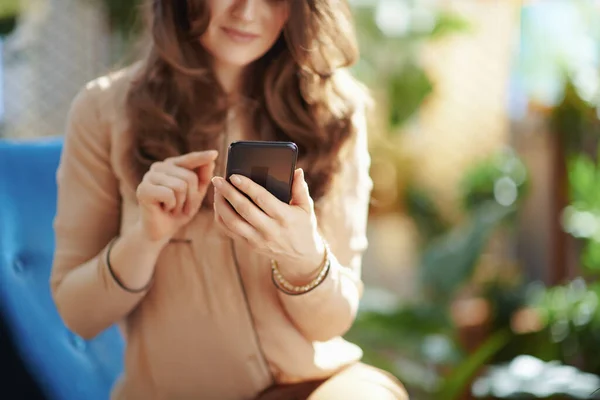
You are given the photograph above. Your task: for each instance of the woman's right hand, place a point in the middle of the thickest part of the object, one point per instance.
(171, 193)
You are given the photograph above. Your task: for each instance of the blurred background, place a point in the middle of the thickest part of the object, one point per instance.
(485, 219)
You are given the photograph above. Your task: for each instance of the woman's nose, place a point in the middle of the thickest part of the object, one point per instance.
(245, 10)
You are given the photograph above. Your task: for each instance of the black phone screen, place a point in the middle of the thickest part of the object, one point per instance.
(269, 164)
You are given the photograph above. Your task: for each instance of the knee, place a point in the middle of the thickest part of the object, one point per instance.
(382, 385)
(361, 382)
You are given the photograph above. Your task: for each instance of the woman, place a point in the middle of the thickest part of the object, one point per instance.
(219, 298)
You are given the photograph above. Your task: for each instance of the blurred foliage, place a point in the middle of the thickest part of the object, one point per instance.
(558, 51)
(554, 323)
(501, 177)
(574, 119)
(582, 217)
(559, 325)
(424, 213)
(125, 22)
(458, 383)
(449, 261)
(390, 51)
(408, 88)
(527, 377)
(9, 13)
(124, 16)
(558, 329)
(570, 315)
(421, 342)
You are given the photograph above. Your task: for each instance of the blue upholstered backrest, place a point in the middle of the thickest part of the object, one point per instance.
(65, 366)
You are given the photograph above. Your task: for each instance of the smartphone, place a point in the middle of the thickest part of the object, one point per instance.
(270, 164)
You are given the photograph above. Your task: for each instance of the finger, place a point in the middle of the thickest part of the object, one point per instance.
(270, 204)
(189, 177)
(244, 206)
(232, 221)
(157, 195)
(300, 193)
(177, 185)
(195, 159)
(205, 173)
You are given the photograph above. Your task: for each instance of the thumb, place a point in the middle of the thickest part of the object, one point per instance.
(300, 195)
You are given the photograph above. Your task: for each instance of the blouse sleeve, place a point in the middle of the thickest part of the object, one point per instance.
(330, 309)
(87, 218)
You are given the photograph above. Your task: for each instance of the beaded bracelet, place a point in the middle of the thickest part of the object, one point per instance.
(114, 276)
(286, 287)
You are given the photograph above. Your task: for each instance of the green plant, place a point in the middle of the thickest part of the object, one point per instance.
(9, 13)
(450, 260)
(491, 193)
(563, 343)
(582, 217)
(575, 120)
(562, 325)
(390, 56)
(418, 342)
(123, 16)
(424, 212)
(458, 382)
(501, 178)
(414, 342)
(571, 318)
(527, 377)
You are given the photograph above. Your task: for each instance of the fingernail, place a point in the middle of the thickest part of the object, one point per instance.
(235, 180)
(217, 182)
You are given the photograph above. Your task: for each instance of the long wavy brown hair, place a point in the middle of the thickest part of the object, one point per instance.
(300, 89)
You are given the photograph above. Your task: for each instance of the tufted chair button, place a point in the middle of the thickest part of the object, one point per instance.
(19, 265)
(78, 342)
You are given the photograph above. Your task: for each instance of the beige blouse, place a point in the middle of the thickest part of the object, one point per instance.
(206, 329)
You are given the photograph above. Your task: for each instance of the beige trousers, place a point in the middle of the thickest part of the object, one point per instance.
(357, 382)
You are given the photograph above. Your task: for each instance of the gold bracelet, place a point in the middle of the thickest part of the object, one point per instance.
(282, 284)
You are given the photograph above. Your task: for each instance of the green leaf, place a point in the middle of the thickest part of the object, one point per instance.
(424, 212)
(583, 180)
(9, 8)
(479, 182)
(450, 260)
(458, 381)
(450, 23)
(7, 25)
(409, 324)
(591, 256)
(9, 11)
(408, 88)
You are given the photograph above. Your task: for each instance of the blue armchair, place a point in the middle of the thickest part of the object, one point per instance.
(64, 366)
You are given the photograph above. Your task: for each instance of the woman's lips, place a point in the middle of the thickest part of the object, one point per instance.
(239, 36)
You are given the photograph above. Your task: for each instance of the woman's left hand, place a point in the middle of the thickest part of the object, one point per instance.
(287, 233)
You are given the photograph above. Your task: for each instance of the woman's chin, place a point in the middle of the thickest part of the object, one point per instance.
(237, 60)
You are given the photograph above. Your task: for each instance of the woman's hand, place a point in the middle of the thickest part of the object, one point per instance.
(287, 233)
(171, 193)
